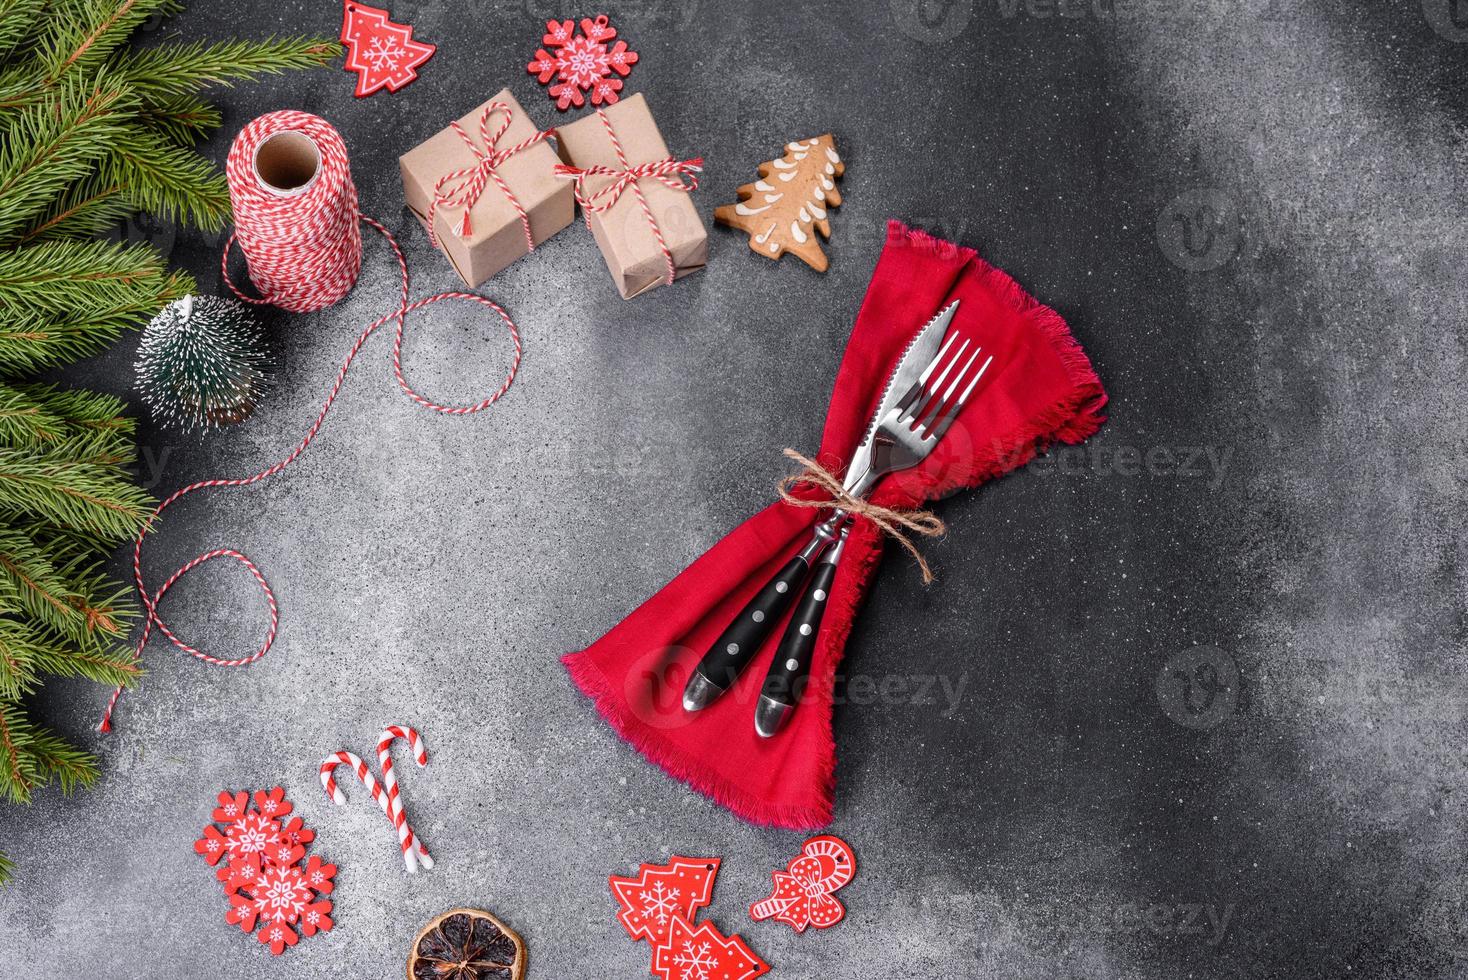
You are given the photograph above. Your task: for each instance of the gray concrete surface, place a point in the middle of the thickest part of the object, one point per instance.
(1250, 212)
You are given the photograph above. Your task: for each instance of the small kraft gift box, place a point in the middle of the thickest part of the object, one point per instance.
(635, 196)
(485, 188)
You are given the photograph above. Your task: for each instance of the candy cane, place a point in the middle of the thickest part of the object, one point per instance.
(391, 734)
(328, 783)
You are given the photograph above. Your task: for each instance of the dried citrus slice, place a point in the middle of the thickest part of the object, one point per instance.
(466, 944)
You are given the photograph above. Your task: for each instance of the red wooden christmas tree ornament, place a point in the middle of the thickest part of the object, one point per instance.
(660, 893)
(381, 52)
(701, 952)
(802, 895)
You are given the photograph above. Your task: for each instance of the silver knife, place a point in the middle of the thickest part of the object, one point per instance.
(744, 636)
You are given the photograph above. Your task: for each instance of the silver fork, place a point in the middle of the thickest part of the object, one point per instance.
(903, 438)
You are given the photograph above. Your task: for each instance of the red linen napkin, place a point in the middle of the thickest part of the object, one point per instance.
(1040, 389)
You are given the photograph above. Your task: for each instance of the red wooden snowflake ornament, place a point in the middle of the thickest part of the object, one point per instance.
(802, 895)
(661, 892)
(701, 952)
(381, 52)
(267, 879)
(580, 63)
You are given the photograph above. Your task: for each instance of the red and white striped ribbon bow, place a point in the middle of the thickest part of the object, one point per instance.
(669, 172)
(415, 853)
(463, 188)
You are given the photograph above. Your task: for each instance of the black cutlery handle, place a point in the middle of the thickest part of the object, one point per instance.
(785, 682)
(738, 644)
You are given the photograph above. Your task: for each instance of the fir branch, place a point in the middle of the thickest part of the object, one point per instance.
(7, 868)
(36, 587)
(184, 119)
(44, 417)
(47, 148)
(169, 71)
(166, 179)
(16, 780)
(31, 343)
(78, 276)
(28, 656)
(91, 32)
(24, 421)
(86, 209)
(32, 756)
(18, 20)
(82, 409)
(81, 496)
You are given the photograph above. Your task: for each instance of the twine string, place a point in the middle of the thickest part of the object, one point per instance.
(298, 257)
(668, 171)
(462, 188)
(893, 522)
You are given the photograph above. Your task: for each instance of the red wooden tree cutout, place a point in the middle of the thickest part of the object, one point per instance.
(662, 892)
(703, 953)
(381, 52)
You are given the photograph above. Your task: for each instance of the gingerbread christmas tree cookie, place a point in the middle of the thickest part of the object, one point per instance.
(783, 210)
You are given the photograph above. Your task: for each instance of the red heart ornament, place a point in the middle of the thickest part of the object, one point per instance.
(802, 897)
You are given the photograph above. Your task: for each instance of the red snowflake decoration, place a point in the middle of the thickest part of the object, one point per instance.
(247, 839)
(268, 881)
(381, 52)
(582, 62)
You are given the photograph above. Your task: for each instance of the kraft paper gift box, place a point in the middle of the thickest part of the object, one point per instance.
(626, 238)
(497, 236)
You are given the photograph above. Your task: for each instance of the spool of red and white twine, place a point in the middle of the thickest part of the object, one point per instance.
(297, 221)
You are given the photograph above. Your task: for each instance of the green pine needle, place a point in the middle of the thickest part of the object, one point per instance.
(86, 208)
(46, 148)
(91, 30)
(166, 179)
(18, 20)
(81, 496)
(184, 119)
(182, 69)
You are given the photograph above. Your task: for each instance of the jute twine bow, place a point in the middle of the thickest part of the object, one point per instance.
(896, 524)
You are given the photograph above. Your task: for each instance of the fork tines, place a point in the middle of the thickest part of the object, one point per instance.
(928, 407)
